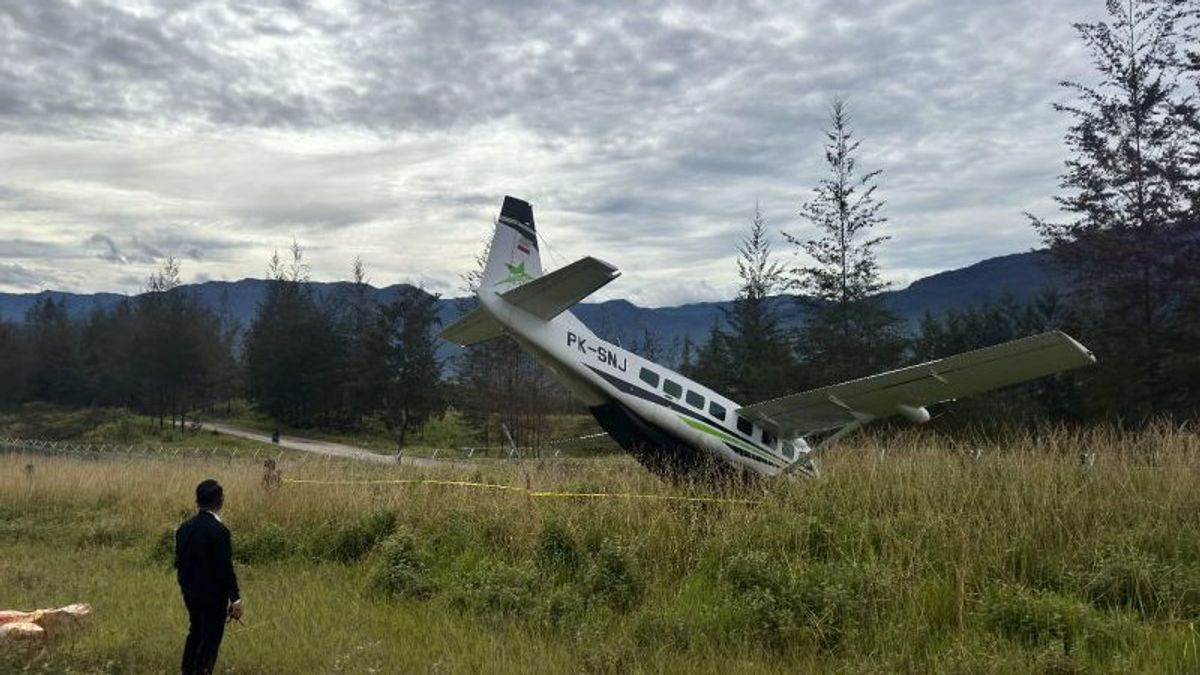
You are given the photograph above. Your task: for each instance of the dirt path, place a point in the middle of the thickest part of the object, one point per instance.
(328, 448)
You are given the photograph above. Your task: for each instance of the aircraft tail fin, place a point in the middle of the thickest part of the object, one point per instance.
(513, 258)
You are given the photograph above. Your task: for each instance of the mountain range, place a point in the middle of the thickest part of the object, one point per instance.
(1022, 275)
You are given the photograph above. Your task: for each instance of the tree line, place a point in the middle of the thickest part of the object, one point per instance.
(304, 360)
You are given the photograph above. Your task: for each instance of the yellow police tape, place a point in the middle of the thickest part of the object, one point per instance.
(527, 492)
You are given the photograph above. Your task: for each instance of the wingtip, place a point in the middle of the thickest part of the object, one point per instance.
(1084, 351)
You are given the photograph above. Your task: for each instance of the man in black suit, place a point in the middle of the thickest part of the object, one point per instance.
(204, 561)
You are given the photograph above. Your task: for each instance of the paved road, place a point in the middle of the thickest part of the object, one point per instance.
(328, 448)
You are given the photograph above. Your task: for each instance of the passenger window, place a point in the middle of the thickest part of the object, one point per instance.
(789, 450)
(649, 377)
(767, 439)
(716, 410)
(745, 427)
(695, 400)
(672, 388)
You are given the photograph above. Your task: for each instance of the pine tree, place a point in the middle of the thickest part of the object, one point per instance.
(412, 391)
(848, 332)
(14, 364)
(293, 348)
(56, 365)
(365, 374)
(760, 356)
(713, 361)
(179, 348)
(109, 342)
(1130, 192)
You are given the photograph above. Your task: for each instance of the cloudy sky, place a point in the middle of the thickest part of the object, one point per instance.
(643, 132)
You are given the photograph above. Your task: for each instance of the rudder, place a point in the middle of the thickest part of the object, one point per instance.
(513, 258)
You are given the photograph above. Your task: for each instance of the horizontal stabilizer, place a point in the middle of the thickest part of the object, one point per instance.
(908, 390)
(474, 327)
(556, 292)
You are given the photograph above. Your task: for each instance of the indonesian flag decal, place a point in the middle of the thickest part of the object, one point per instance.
(522, 246)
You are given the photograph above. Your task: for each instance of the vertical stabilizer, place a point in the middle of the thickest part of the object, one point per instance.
(513, 258)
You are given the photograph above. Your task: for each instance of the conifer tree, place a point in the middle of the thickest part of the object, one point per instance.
(293, 348)
(412, 389)
(1129, 193)
(14, 364)
(848, 331)
(760, 355)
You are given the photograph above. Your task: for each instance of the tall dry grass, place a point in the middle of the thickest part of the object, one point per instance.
(1052, 549)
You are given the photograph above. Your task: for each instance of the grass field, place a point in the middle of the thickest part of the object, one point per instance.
(448, 433)
(910, 554)
(117, 429)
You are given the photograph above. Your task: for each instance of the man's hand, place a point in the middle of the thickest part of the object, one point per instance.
(235, 611)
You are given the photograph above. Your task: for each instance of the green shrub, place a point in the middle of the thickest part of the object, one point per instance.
(107, 534)
(124, 427)
(563, 606)
(612, 579)
(400, 569)
(353, 539)
(449, 430)
(162, 551)
(496, 588)
(557, 554)
(265, 543)
(817, 604)
(1039, 618)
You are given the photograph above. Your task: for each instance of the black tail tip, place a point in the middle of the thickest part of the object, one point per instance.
(519, 210)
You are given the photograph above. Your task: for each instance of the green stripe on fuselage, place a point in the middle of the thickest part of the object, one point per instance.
(701, 426)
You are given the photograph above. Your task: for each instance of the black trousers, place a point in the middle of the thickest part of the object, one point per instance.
(206, 627)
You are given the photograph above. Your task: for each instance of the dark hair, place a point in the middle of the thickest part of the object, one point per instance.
(209, 494)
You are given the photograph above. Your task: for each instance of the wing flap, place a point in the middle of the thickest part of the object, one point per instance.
(548, 296)
(917, 386)
(474, 327)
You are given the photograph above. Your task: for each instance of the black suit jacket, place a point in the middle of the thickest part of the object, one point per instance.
(204, 560)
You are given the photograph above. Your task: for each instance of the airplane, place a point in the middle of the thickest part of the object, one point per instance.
(677, 427)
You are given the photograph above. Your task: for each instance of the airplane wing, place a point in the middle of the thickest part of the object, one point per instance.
(908, 390)
(548, 296)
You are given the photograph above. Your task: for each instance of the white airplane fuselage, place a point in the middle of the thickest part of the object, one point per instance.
(666, 420)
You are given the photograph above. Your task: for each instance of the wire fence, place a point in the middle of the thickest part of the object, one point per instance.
(70, 448)
(27, 446)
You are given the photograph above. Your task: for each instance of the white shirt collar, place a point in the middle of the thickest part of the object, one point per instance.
(214, 514)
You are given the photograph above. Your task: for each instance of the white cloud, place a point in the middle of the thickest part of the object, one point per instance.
(217, 130)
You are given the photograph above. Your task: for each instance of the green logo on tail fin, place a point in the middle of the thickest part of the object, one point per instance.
(516, 274)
